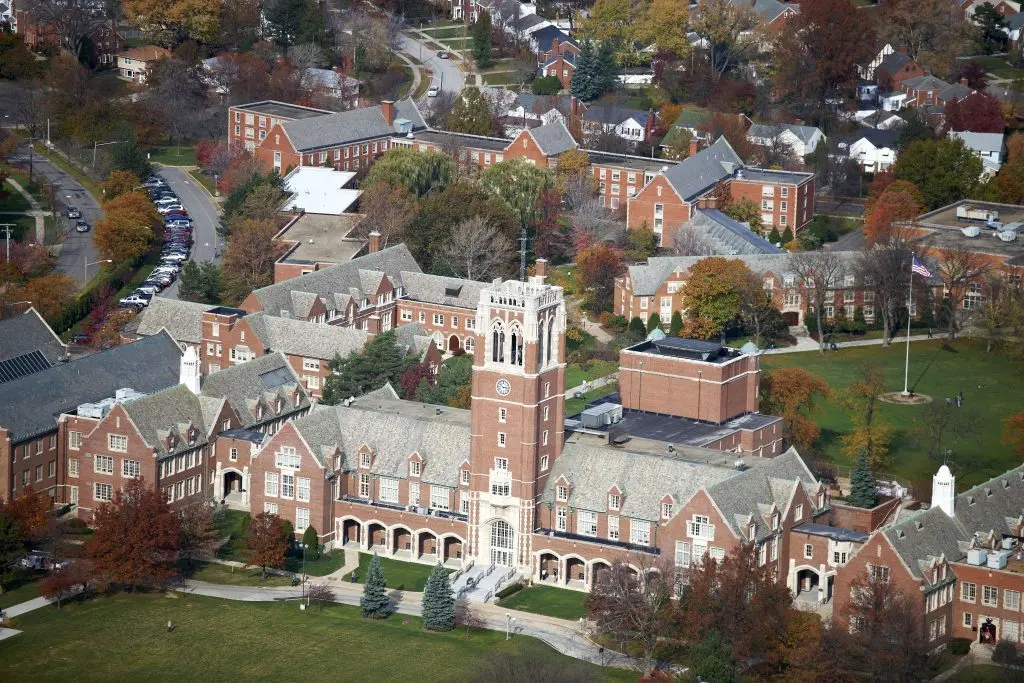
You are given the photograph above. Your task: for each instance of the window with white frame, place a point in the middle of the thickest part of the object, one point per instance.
(989, 596)
(561, 493)
(414, 468)
(561, 518)
(808, 551)
(682, 554)
(501, 463)
(270, 507)
(287, 457)
(586, 523)
(232, 454)
(666, 510)
(388, 490)
(302, 489)
(102, 491)
(310, 364)
(364, 459)
(878, 573)
(270, 484)
(614, 500)
(301, 519)
(502, 439)
(798, 514)
(502, 415)
(543, 463)
(103, 464)
(716, 553)
(439, 318)
(1011, 599)
(117, 443)
(74, 440)
(464, 477)
(73, 467)
(414, 493)
(699, 527)
(406, 314)
(287, 485)
(74, 495)
(364, 485)
(613, 528)
(130, 468)
(639, 532)
(439, 496)
(968, 591)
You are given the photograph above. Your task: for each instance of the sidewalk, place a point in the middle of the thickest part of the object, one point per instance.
(592, 384)
(803, 346)
(35, 212)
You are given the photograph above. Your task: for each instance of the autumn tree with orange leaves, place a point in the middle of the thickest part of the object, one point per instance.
(1013, 433)
(793, 393)
(127, 228)
(714, 294)
(49, 294)
(267, 542)
(29, 509)
(119, 183)
(136, 538)
(901, 201)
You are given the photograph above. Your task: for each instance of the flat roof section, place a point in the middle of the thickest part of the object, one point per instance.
(687, 349)
(834, 533)
(439, 137)
(282, 110)
(317, 189)
(322, 238)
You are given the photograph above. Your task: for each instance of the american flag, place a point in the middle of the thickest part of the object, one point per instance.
(918, 267)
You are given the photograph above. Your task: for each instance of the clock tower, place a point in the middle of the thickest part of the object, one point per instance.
(518, 405)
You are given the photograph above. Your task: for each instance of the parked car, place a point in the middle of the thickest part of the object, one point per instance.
(155, 283)
(182, 223)
(433, 91)
(443, 54)
(81, 226)
(168, 208)
(136, 300)
(73, 212)
(175, 257)
(147, 289)
(80, 338)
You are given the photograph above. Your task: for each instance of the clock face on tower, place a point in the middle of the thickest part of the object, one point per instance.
(503, 387)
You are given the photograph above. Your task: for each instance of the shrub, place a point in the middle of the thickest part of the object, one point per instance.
(546, 85)
(509, 590)
(312, 541)
(1005, 653)
(960, 646)
(637, 330)
(653, 322)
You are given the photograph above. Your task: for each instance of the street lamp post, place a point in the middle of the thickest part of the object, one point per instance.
(96, 145)
(305, 598)
(86, 264)
(509, 621)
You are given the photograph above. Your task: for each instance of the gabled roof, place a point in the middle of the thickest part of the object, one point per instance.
(956, 91)
(245, 384)
(544, 36)
(804, 134)
(613, 115)
(980, 142)
(344, 278)
(146, 53)
(894, 61)
(697, 174)
(926, 82)
(301, 338)
(183, 320)
(348, 126)
(27, 345)
(553, 138)
(767, 10)
(729, 236)
(448, 291)
(30, 405)
(878, 137)
(173, 410)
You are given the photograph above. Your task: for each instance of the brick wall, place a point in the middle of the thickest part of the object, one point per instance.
(641, 209)
(524, 146)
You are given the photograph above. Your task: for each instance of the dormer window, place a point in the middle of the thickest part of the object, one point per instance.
(666, 510)
(280, 404)
(562, 493)
(414, 468)
(364, 459)
(752, 532)
(614, 501)
(775, 521)
(799, 513)
(259, 412)
(821, 499)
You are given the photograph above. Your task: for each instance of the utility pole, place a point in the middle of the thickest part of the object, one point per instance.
(8, 228)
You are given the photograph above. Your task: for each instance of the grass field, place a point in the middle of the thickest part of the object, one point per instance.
(447, 32)
(547, 600)
(988, 382)
(23, 225)
(575, 375)
(234, 524)
(236, 576)
(24, 586)
(575, 405)
(12, 200)
(985, 673)
(398, 575)
(502, 78)
(220, 640)
(172, 156)
(204, 180)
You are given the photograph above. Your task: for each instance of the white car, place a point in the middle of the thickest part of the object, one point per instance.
(432, 91)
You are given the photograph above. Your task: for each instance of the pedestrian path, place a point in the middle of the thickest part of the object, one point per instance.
(592, 384)
(35, 212)
(811, 345)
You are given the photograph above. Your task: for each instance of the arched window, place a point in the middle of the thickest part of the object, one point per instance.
(540, 344)
(517, 342)
(498, 343)
(551, 333)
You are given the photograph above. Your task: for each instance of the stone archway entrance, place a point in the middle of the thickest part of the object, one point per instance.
(808, 585)
(502, 544)
(350, 531)
(453, 343)
(233, 485)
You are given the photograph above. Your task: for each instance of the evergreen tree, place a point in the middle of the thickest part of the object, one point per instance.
(312, 541)
(605, 69)
(582, 85)
(862, 483)
(774, 237)
(787, 236)
(677, 324)
(375, 603)
(637, 329)
(653, 322)
(438, 601)
(482, 47)
(379, 362)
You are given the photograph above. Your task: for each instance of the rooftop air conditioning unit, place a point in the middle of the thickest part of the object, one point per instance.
(977, 557)
(1007, 235)
(971, 231)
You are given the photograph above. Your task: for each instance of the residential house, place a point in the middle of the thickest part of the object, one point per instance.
(867, 70)
(27, 346)
(803, 140)
(882, 120)
(134, 64)
(873, 149)
(633, 125)
(989, 147)
(529, 111)
(690, 124)
(895, 68)
(332, 86)
(1006, 8)
(771, 13)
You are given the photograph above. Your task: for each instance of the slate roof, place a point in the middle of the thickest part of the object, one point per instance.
(767, 10)
(301, 338)
(926, 82)
(263, 379)
(344, 278)
(414, 339)
(893, 62)
(393, 430)
(27, 344)
(173, 410)
(925, 534)
(532, 103)
(183, 320)
(988, 506)
(956, 91)
(763, 130)
(876, 136)
(728, 235)
(643, 478)
(980, 142)
(30, 405)
(612, 115)
(437, 289)
(1014, 21)
(544, 36)
(697, 174)
(553, 138)
(348, 126)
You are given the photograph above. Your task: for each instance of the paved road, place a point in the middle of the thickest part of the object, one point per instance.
(446, 73)
(204, 217)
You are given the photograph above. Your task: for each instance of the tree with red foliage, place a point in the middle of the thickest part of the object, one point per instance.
(978, 113)
(974, 73)
(29, 509)
(65, 582)
(597, 266)
(136, 538)
(901, 201)
(267, 542)
(413, 377)
(553, 240)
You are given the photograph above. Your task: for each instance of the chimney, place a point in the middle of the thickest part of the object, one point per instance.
(693, 147)
(189, 373)
(963, 81)
(387, 108)
(554, 47)
(374, 245)
(944, 490)
(541, 269)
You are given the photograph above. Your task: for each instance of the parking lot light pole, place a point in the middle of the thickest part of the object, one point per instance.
(85, 267)
(96, 145)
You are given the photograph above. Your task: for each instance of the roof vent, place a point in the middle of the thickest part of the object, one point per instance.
(971, 231)
(919, 526)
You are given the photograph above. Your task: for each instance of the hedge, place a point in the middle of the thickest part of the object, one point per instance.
(509, 590)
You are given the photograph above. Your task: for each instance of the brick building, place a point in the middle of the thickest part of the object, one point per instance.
(248, 124)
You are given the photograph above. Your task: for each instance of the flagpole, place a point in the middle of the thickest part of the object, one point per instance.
(910, 304)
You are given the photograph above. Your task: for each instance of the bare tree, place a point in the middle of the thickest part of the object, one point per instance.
(634, 605)
(998, 314)
(477, 250)
(886, 270)
(821, 272)
(731, 31)
(944, 428)
(199, 536)
(959, 268)
(440, 108)
(467, 617)
(888, 634)
(778, 152)
(688, 241)
(389, 210)
(73, 21)
(320, 594)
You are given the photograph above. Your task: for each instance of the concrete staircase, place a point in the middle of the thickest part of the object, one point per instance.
(481, 582)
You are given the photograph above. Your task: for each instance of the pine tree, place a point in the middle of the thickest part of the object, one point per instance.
(677, 324)
(375, 603)
(774, 237)
(604, 70)
(787, 236)
(653, 322)
(637, 329)
(482, 48)
(438, 601)
(582, 84)
(862, 483)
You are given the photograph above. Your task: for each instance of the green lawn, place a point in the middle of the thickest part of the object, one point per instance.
(12, 200)
(23, 225)
(575, 374)
(447, 32)
(233, 525)
(173, 156)
(124, 638)
(328, 563)
(985, 673)
(398, 575)
(502, 78)
(23, 587)
(576, 405)
(204, 180)
(547, 600)
(236, 576)
(988, 382)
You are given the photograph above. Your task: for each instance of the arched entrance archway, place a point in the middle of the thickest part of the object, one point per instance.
(350, 530)
(599, 571)
(376, 534)
(548, 565)
(452, 546)
(233, 484)
(402, 540)
(428, 543)
(791, 318)
(807, 584)
(453, 343)
(503, 538)
(575, 570)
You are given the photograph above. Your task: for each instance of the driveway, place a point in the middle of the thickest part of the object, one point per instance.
(446, 73)
(204, 215)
